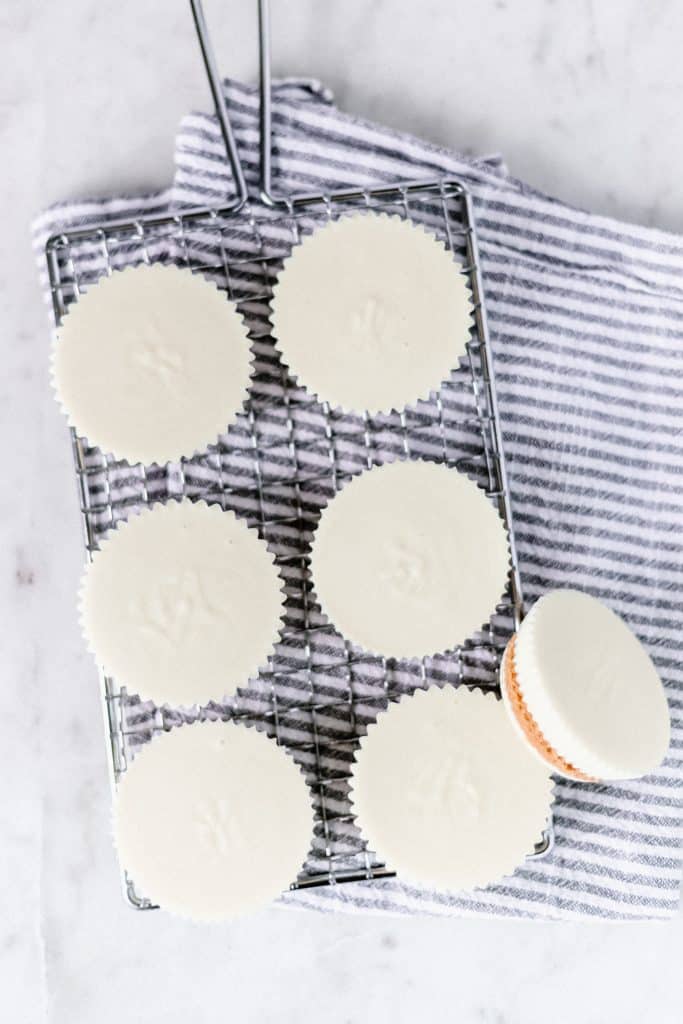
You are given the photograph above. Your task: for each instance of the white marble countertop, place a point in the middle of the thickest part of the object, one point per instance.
(583, 98)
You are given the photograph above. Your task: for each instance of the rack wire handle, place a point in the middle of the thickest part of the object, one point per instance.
(216, 87)
(265, 98)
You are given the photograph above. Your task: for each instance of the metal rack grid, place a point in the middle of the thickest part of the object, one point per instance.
(280, 462)
(277, 466)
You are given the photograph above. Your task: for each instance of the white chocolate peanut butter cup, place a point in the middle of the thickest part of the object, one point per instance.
(446, 792)
(583, 690)
(212, 820)
(371, 313)
(151, 363)
(409, 559)
(182, 603)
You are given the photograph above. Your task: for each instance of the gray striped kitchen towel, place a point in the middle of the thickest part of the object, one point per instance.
(586, 316)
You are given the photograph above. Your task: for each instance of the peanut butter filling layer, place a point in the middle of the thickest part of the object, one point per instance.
(527, 722)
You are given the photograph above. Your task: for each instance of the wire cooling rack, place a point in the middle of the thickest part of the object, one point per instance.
(278, 464)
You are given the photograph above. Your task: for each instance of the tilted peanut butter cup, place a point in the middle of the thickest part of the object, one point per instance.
(584, 692)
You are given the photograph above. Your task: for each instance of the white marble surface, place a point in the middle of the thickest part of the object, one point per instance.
(584, 99)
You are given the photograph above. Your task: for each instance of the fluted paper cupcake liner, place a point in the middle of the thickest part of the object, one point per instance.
(81, 402)
(157, 688)
(467, 863)
(248, 835)
(307, 293)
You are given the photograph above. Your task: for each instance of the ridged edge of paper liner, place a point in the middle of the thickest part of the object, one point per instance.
(481, 627)
(173, 456)
(214, 508)
(475, 693)
(232, 722)
(396, 410)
